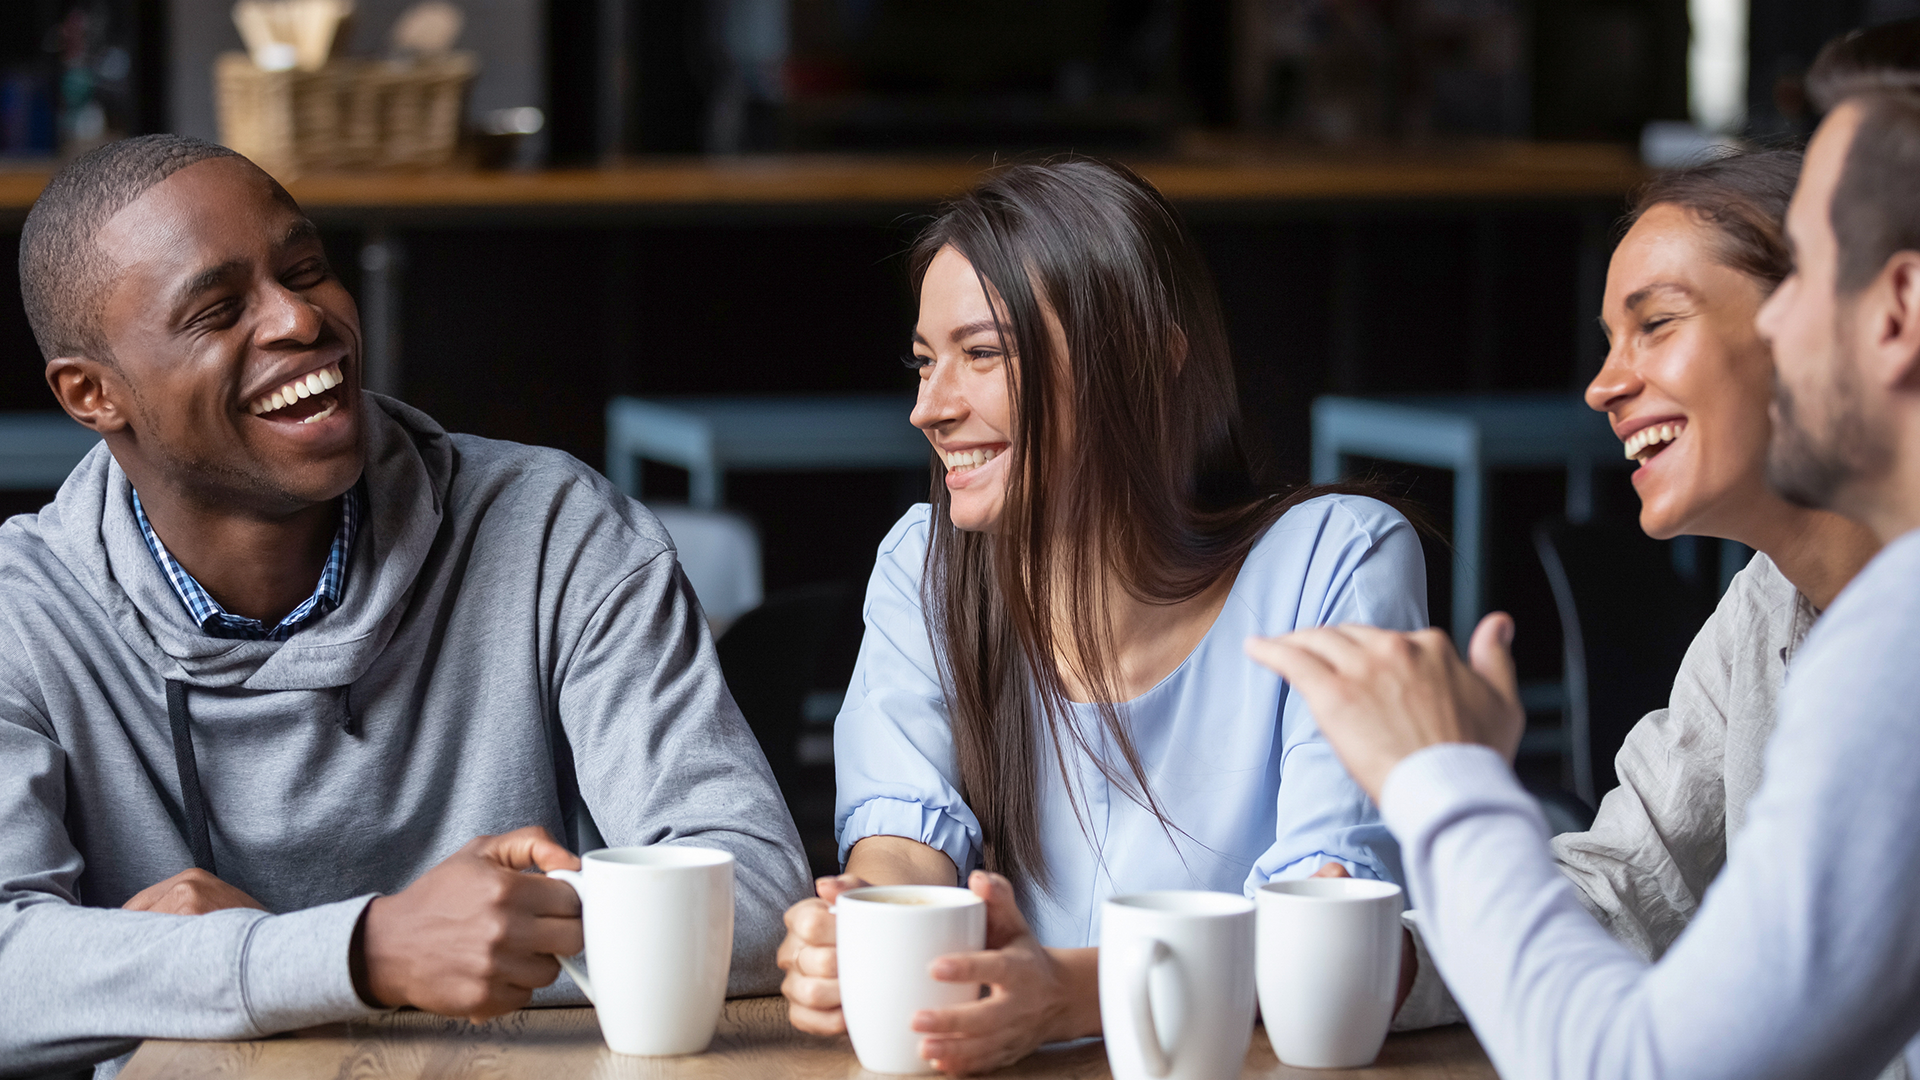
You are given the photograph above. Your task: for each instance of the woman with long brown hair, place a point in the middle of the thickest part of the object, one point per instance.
(1051, 703)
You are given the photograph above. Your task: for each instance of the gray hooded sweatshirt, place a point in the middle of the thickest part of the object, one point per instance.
(515, 643)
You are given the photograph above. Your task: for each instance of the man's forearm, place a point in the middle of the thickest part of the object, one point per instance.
(76, 982)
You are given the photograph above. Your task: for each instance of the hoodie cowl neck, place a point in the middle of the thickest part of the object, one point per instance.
(90, 527)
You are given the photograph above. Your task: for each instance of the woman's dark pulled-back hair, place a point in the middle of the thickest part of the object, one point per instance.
(1743, 197)
(1125, 464)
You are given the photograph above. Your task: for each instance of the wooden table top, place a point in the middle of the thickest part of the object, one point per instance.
(1515, 170)
(754, 1042)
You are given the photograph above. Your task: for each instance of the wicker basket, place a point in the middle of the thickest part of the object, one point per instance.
(351, 114)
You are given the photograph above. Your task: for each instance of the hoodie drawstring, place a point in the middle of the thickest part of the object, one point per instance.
(192, 800)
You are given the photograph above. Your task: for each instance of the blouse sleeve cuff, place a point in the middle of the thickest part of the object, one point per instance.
(1308, 865)
(897, 817)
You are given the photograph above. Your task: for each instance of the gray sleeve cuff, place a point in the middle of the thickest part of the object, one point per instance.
(294, 971)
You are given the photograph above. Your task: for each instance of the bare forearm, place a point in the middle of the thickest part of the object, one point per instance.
(896, 860)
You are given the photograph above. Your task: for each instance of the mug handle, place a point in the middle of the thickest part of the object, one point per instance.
(1158, 1059)
(568, 963)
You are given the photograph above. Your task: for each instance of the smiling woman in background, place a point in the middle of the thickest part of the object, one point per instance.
(1051, 687)
(1687, 383)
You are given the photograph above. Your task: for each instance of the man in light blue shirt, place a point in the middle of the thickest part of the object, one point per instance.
(1805, 958)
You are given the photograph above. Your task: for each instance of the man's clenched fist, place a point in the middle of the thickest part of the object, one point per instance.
(475, 935)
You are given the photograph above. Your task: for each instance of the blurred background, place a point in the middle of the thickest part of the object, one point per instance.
(600, 225)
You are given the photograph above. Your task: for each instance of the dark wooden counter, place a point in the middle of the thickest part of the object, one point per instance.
(1501, 171)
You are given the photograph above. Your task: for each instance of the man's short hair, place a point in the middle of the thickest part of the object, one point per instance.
(1876, 204)
(1884, 57)
(62, 272)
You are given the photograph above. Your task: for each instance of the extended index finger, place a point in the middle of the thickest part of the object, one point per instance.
(1304, 667)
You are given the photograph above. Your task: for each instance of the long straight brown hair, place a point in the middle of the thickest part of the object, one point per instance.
(1126, 464)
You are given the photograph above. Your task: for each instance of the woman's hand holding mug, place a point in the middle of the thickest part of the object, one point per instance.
(812, 985)
(1034, 994)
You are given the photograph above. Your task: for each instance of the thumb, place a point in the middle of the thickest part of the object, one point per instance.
(1004, 921)
(525, 848)
(830, 888)
(1490, 652)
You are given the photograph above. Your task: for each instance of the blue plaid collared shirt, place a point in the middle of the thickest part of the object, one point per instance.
(219, 622)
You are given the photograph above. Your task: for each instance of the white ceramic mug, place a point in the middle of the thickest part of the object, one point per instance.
(888, 937)
(1176, 984)
(659, 930)
(1329, 968)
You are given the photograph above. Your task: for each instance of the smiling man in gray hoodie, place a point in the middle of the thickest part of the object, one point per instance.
(294, 685)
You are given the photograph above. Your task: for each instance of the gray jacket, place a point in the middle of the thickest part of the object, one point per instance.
(515, 644)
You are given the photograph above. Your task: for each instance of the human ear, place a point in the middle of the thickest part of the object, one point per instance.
(1888, 322)
(90, 391)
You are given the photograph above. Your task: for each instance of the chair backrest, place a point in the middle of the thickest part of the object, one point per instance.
(720, 554)
(799, 645)
(773, 656)
(1627, 616)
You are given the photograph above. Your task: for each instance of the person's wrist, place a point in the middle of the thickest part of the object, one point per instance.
(1079, 1015)
(375, 977)
(357, 961)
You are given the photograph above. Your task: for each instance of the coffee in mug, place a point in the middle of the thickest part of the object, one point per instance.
(659, 930)
(888, 937)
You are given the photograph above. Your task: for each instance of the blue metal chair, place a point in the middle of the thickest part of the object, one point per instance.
(39, 449)
(709, 435)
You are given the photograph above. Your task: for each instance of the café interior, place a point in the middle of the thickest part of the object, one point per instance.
(668, 237)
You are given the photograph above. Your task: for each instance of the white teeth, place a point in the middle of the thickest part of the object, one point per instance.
(961, 460)
(1637, 444)
(322, 414)
(317, 382)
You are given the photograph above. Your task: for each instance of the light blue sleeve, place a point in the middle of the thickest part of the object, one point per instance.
(1365, 567)
(1804, 958)
(893, 740)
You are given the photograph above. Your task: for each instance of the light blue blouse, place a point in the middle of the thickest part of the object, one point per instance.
(1231, 753)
